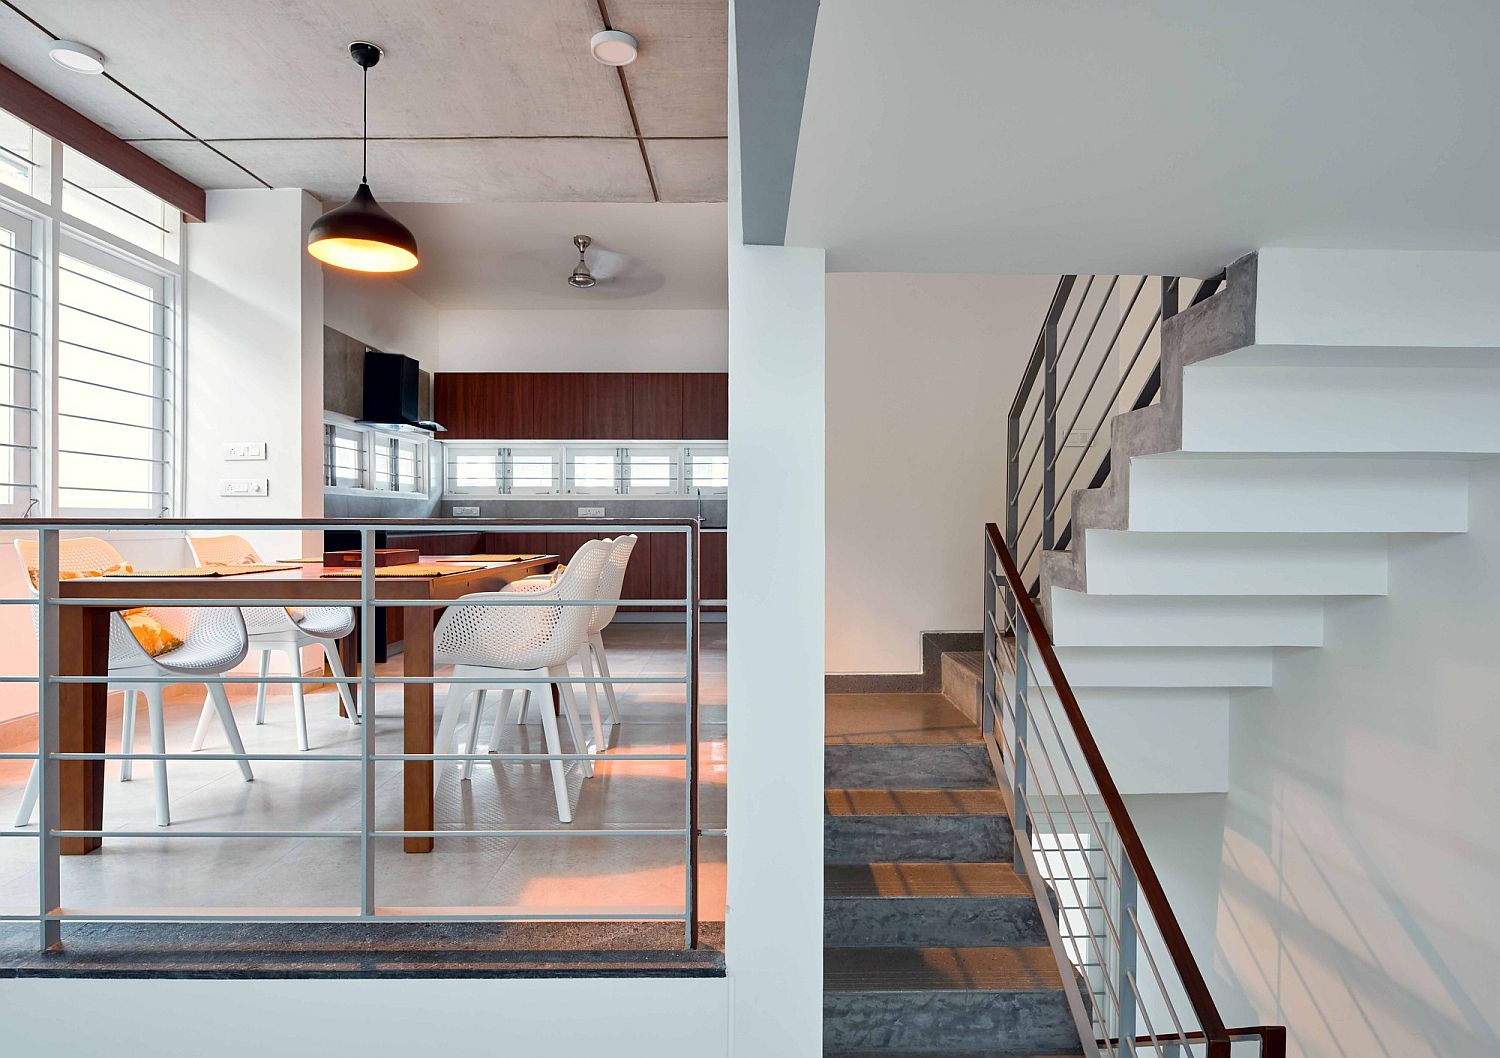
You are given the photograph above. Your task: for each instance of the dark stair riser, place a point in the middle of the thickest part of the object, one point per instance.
(889, 838)
(1010, 1022)
(932, 921)
(963, 766)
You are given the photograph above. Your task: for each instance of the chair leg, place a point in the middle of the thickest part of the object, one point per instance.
(153, 695)
(331, 652)
(453, 704)
(472, 743)
(596, 643)
(127, 735)
(559, 783)
(299, 698)
(220, 703)
(518, 708)
(591, 690)
(570, 710)
(201, 731)
(502, 710)
(29, 795)
(260, 688)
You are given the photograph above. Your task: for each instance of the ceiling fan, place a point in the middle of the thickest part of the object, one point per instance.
(606, 266)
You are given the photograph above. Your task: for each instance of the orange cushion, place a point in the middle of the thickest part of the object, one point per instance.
(148, 631)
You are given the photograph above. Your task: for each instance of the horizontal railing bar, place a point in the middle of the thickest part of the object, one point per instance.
(424, 525)
(137, 361)
(677, 832)
(354, 915)
(165, 399)
(111, 319)
(111, 422)
(17, 330)
(459, 681)
(353, 758)
(111, 202)
(110, 455)
(343, 835)
(168, 602)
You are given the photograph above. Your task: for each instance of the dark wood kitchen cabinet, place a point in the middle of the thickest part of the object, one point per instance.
(582, 406)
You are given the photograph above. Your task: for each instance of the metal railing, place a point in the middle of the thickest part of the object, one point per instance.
(1146, 995)
(52, 912)
(1098, 354)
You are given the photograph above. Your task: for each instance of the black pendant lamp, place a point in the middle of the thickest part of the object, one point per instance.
(359, 235)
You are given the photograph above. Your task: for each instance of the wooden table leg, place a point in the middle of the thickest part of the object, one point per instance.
(416, 723)
(83, 650)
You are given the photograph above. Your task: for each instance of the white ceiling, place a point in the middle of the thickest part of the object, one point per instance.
(475, 100)
(1160, 136)
(512, 256)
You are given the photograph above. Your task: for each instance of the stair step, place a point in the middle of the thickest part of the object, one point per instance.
(935, 766)
(882, 826)
(962, 677)
(997, 999)
(929, 904)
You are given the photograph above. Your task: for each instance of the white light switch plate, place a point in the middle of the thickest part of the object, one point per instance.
(465, 512)
(1077, 439)
(238, 450)
(244, 487)
(591, 512)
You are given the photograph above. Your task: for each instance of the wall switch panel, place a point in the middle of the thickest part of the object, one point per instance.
(1077, 439)
(244, 487)
(245, 450)
(591, 512)
(465, 512)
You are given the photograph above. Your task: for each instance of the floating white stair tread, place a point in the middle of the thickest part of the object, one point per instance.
(1127, 563)
(1162, 667)
(1081, 619)
(1188, 493)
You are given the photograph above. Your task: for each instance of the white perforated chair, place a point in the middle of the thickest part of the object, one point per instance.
(518, 641)
(592, 655)
(213, 643)
(274, 629)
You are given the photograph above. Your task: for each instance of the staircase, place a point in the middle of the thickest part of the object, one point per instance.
(933, 944)
(1318, 405)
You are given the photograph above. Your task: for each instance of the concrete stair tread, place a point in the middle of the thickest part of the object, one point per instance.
(919, 880)
(892, 719)
(973, 660)
(956, 802)
(1028, 969)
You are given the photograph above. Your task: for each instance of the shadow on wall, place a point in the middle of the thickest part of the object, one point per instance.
(1318, 938)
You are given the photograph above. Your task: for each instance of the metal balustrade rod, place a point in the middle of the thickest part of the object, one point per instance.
(986, 728)
(690, 743)
(1012, 481)
(366, 708)
(1019, 753)
(1108, 410)
(1126, 956)
(49, 801)
(1049, 427)
(1062, 390)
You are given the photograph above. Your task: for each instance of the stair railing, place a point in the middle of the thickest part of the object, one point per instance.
(1057, 434)
(1138, 989)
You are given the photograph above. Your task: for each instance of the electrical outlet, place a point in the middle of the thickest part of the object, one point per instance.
(245, 450)
(244, 487)
(465, 512)
(591, 512)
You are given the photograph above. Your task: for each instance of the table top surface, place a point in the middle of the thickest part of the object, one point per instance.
(307, 582)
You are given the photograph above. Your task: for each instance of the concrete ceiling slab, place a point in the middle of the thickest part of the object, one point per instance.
(198, 162)
(1146, 137)
(690, 170)
(680, 82)
(23, 48)
(240, 68)
(453, 170)
(518, 256)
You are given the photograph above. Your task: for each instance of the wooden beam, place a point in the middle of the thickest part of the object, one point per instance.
(60, 121)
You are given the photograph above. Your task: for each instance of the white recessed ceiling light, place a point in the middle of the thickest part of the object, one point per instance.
(614, 47)
(80, 58)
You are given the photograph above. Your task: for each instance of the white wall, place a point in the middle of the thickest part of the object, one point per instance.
(255, 340)
(921, 371)
(381, 312)
(593, 340)
(636, 1018)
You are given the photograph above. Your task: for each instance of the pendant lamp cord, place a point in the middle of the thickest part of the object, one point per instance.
(364, 155)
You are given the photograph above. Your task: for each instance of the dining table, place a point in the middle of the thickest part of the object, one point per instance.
(83, 650)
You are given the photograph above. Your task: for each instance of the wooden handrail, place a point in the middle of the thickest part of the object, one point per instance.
(1149, 885)
(1272, 1039)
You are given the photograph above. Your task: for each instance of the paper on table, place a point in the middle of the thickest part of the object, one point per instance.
(414, 569)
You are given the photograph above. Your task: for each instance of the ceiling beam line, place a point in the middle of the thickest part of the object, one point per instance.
(630, 106)
(60, 121)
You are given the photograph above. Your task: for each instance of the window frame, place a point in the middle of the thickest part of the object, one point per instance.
(23, 338)
(57, 233)
(503, 454)
(370, 441)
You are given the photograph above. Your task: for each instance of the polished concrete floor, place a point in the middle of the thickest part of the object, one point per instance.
(553, 871)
